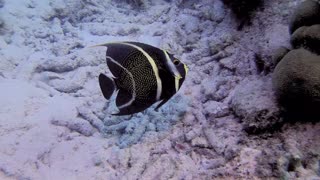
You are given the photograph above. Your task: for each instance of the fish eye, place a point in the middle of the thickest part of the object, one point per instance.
(176, 62)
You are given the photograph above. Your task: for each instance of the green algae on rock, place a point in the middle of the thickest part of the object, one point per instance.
(296, 80)
(307, 37)
(306, 14)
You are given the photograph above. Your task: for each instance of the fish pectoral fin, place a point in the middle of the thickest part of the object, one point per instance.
(107, 85)
(124, 99)
(161, 103)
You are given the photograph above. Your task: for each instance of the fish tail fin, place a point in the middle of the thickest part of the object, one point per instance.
(107, 85)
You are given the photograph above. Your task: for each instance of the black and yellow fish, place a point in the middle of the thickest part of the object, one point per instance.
(143, 75)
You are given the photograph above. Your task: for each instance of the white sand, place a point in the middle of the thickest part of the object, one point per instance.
(52, 110)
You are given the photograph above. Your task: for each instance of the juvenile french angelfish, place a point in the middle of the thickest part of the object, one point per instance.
(143, 75)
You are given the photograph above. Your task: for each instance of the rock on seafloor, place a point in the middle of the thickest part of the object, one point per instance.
(222, 124)
(279, 54)
(307, 37)
(306, 13)
(259, 115)
(297, 80)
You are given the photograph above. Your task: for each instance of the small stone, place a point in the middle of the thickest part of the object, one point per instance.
(255, 103)
(216, 109)
(200, 142)
(97, 161)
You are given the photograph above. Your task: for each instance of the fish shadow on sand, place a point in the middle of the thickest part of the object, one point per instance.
(132, 128)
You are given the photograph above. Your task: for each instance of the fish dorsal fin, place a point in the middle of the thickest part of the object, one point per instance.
(115, 68)
(116, 56)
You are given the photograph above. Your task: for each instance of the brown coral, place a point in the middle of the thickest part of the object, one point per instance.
(307, 37)
(296, 80)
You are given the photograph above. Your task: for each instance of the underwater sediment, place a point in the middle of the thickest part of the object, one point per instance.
(228, 121)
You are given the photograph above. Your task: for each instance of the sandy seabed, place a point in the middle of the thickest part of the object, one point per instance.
(55, 123)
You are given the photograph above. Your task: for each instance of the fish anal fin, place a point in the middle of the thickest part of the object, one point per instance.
(132, 109)
(124, 98)
(107, 85)
(122, 113)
